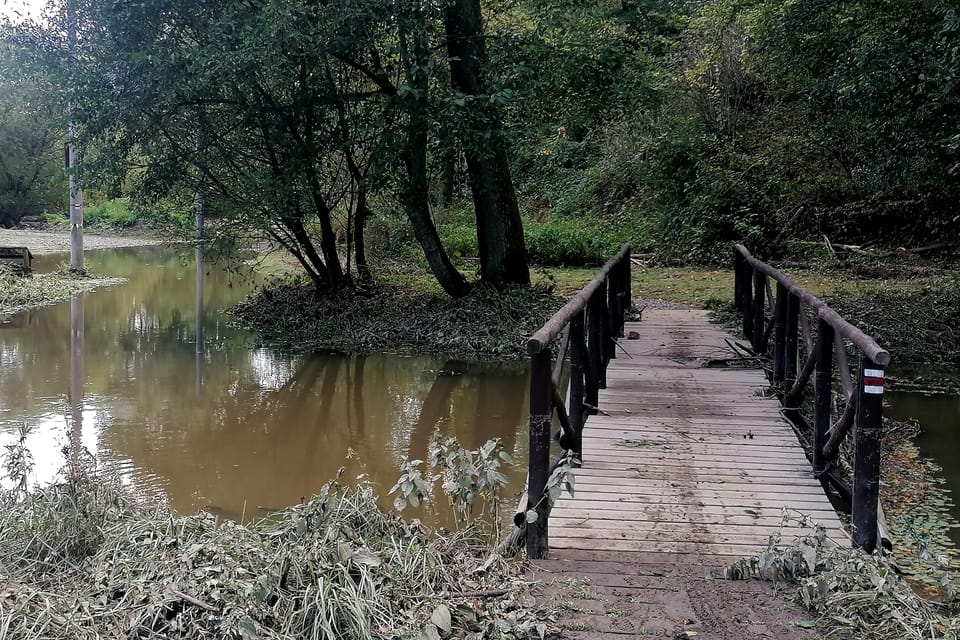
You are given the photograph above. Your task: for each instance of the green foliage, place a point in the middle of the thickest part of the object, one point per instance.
(564, 243)
(466, 476)
(114, 213)
(30, 138)
(568, 243)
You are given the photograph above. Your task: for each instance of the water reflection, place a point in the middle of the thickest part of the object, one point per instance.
(190, 410)
(939, 417)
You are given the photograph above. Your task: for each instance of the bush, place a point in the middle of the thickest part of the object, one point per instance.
(554, 244)
(110, 213)
(568, 244)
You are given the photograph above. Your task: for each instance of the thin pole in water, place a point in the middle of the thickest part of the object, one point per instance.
(76, 194)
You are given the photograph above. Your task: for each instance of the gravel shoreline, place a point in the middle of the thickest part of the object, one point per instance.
(47, 242)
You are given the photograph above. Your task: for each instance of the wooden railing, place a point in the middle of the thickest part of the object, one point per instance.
(587, 326)
(787, 317)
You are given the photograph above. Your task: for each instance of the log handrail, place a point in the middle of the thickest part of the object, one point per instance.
(867, 345)
(826, 352)
(555, 325)
(593, 319)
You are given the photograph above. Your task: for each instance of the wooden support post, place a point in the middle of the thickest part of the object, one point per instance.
(612, 303)
(866, 456)
(823, 390)
(594, 355)
(746, 294)
(599, 301)
(779, 335)
(738, 265)
(791, 338)
(759, 294)
(578, 363)
(539, 469)
(628, 282)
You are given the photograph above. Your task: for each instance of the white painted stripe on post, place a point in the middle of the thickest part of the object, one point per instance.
(873, 373)
(873, 389)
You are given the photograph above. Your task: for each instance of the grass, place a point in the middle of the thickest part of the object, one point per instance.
(22, 292)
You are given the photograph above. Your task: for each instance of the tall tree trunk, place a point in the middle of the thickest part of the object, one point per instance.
(417, 198)
(328, 237)
(503, 253)
(360, 221)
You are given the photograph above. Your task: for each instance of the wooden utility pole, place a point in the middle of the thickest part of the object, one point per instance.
(76, 194)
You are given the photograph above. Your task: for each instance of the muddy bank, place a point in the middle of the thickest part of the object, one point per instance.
(46, 242)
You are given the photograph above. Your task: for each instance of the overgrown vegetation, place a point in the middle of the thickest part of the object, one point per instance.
(852, 591)
(485, 325)
(18, 292)
(80, 559)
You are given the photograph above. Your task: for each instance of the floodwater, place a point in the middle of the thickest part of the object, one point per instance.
(219, 423)
(939, 440)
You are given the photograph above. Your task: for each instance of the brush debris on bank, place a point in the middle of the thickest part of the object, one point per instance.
(857, 595)
(78, 561)
(486, 324)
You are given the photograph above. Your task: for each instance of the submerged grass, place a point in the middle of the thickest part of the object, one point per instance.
(18, 292)
(79, 560)
(399, 317)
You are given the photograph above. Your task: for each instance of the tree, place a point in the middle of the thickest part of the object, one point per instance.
(503, 255)
(29, 143)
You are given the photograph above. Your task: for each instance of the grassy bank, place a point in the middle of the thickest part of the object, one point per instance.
(18, 293)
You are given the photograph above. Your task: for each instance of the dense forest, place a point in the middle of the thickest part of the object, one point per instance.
(503, 129)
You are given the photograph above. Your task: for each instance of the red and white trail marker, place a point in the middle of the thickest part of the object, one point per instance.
(873, 381)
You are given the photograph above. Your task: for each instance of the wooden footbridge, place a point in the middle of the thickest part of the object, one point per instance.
(684, 454)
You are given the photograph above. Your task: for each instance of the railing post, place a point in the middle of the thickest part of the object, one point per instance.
(790, 350)
(599, 303)
(746, 295)
(627, 286)
(866, 455)
(541, 411)
(592, 329)
(759, 303)
(737, 280)
(578, 353)
(823, 390)
(779, 335)
(611, 300)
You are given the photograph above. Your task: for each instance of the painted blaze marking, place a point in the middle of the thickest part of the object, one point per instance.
(873, 381)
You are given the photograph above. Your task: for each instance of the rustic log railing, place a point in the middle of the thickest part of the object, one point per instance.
(787, 316)
(589, 323)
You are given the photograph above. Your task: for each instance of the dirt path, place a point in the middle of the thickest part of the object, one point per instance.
(45, 242)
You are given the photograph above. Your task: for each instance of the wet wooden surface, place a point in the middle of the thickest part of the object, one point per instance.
(687, 469)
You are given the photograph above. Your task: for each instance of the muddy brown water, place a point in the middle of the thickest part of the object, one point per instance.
(939, 418)
(231, 427)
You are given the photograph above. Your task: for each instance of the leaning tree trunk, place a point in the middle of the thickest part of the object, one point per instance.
(503, 253)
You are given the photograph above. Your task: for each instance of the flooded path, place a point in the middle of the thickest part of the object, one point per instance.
(221, 424)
